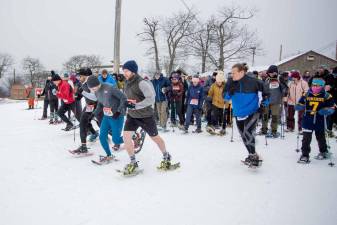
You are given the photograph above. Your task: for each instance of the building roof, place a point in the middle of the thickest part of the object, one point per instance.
(288, 59)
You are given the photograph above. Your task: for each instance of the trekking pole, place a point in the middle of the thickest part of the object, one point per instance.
(331, 163)
(231, 120)
(298, 143)
(282, 121)
(175, 114)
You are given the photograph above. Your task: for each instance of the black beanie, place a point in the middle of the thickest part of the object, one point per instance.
(56, 77)
(131, 66)
(272, 69)
(93, 81)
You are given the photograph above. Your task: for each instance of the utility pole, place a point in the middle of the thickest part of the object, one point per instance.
(254, 51)
(14, 76)
(281, 49)
(118, 11)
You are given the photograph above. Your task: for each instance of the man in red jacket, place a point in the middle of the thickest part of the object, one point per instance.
(66, 93)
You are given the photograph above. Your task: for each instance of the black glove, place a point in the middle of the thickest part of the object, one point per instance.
(38, 96)
(116, 115)
(131, 105)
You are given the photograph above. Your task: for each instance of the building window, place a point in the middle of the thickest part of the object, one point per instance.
(311, 58)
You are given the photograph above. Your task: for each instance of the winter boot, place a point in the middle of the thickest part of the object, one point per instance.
(304, 159)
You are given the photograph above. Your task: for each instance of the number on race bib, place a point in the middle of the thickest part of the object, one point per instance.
(107, 111)
(194, 101)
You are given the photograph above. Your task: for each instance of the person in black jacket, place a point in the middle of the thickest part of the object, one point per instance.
(51, 100)
(88, 111)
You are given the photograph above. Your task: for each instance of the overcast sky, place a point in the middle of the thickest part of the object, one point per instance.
(54, 30)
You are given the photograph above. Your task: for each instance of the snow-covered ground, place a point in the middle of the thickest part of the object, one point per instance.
(40, 183)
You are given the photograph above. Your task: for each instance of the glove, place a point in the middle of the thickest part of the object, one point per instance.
(265, 103)
(38, 96)
(299, 107)
(209, 99)
(326, 111)
(164, 90)
(131, 104)
(54, 91)
(116, 115)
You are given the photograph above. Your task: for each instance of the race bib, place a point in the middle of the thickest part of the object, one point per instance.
(274, 85)
(107, 111)
(194, 101)
(89, 108)
(176, 88)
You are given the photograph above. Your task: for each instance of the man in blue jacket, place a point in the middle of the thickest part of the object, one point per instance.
(244, 90)
(106, 78)
(194, 101)
(161, 84)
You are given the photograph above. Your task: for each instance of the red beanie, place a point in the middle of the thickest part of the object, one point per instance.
(296, 75)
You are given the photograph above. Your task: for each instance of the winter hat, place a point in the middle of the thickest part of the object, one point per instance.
(52, 73)
(73, 77)
(56, 77)
(272, 69)
(296, 75)
(65, 75)
(93, 81)
(318, 82)
(131, 66)
(220, 77)
(83, 72)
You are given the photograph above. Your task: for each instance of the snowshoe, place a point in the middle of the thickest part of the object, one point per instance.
(262, 133)
(252, 161)
(51, 122)
(93, 137)
(130, 170)
(323, 156)
(166, 165)
(104, 160)
(273, 135)
(43, 118)
(304, 160)
(81, 151)
(197, 131)
(330, 134)
(138, 140)
(185, 130)
(210, 130)
(222, 132)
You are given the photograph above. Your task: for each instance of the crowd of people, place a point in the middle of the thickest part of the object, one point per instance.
(120, 104)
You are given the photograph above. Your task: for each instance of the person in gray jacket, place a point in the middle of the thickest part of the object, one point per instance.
(114, 103)
(277, 91)
(141, 98)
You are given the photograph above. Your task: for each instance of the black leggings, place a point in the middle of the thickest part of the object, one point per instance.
(85, 125)
(247, 131)
(218, 117)
(306, 141)
(176, 108)
(65, 107)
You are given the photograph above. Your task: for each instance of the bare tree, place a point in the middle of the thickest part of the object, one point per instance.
(32, 66)
(150, 35)
(176, 30)
(6, 61)
(232, 40)
(78, 61)
(200, 42)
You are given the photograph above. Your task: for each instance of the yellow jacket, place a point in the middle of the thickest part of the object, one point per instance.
(216, 93)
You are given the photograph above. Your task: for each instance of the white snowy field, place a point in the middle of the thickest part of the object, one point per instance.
(41, 184)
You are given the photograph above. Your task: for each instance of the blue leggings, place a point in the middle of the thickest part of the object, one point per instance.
(116, 126)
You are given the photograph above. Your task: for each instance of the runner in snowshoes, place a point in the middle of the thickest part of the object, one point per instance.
(244, 91)
(114, 103)
(141, 97)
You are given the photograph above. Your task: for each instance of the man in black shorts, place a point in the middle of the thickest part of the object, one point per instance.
(141, 97)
